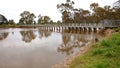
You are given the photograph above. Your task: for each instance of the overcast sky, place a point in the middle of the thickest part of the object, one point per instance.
(12, 8)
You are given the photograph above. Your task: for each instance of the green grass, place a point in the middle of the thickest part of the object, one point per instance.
(104, 54)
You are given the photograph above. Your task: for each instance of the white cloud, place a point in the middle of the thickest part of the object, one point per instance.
(12, 8)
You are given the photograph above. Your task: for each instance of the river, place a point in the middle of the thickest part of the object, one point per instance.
(36, 48)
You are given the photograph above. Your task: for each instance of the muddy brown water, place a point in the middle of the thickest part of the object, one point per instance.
(35, 48)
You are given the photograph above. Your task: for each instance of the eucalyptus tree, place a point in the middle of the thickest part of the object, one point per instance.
(27, 18)
(81, 15)
(116, 4)
(94, 6)
(44, 19)
(66, 10)
(3, 19)
(47, 19)
(117, 14)
(58, 22)
(40, 19)
(31, 18)
(11, 21)
(77, 15)
(109, 14)
(51, 22)
(85, 14)
(100, 12)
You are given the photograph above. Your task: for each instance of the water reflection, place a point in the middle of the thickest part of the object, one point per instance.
(27, 36)
(43, 33)
(71, 41)
(45, 48)
(3, 35)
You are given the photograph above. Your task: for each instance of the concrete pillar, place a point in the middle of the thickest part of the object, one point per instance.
(87, 28)
(97, 29)
(83, 29)
(92, 29)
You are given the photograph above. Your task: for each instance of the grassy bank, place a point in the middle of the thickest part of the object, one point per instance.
(104, 54)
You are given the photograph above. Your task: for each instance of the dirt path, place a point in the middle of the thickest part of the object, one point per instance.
(65, 63)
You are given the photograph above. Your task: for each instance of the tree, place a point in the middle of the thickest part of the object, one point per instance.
(117, 14)
(78, 15)
(27, 18)
(43, 19)
(21, 21)
(68, 6)
(3, 19)
(46, 19)
(94, 6)
(40, 19)
(11, 21)
(109, 14)
(31, 18)
(66, 10)
(116, 4)
(100, 12)
(58, 22)
(51, 22)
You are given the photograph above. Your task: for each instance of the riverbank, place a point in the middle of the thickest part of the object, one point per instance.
(67, 61)
(9, 26)
(104, 54)
(16, 26)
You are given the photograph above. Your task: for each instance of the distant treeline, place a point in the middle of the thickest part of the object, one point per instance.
(71, 14)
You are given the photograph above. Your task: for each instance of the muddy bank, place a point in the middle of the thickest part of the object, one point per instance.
(65, 63)
(107, 32)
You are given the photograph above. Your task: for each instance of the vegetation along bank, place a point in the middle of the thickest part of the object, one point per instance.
(104, 54)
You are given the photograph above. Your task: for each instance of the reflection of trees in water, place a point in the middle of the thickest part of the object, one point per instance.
(71, 41)
(65, 46)
(44, 34)
(3, 35)
(28, 36)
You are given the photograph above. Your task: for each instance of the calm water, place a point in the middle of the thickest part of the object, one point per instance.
(34, 48)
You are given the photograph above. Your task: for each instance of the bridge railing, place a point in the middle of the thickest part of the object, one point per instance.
(111, 23)
(75, 24)
(83, 24)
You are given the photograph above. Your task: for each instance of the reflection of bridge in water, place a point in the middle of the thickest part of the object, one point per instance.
(78, 26)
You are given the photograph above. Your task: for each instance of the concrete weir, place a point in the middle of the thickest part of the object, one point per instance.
(61, 28)
(78, 26)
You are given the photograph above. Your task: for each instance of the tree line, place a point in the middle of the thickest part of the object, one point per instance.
(79, 15)
(70, 14)
(29, 18)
